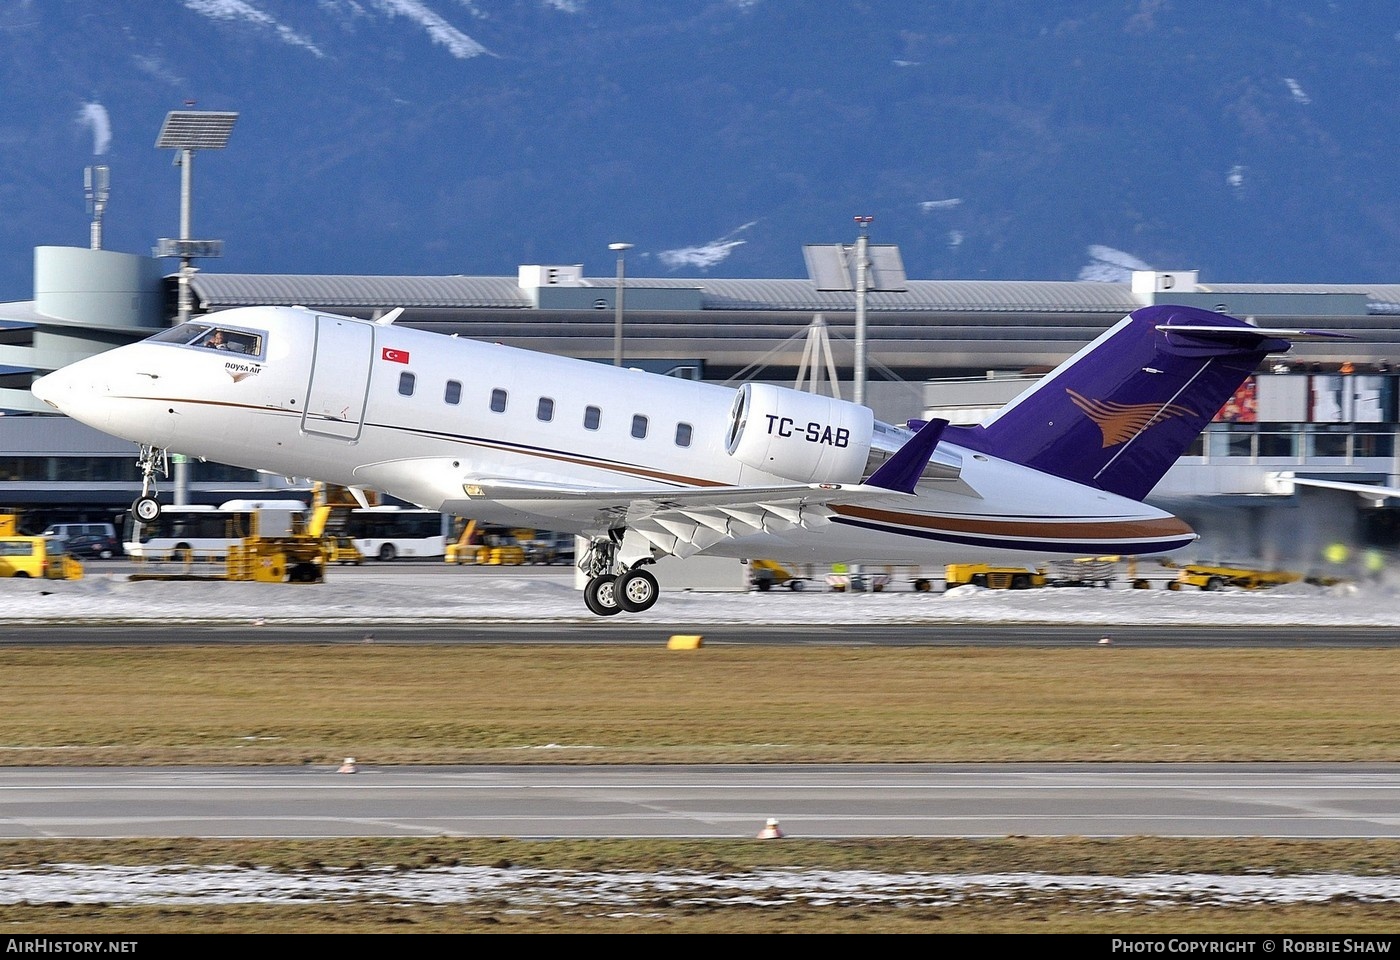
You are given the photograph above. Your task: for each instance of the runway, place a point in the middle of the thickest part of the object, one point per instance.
(435, 604)
(825, 801)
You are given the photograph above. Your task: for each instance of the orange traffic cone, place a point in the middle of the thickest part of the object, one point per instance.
(348, 766)
(771, 830)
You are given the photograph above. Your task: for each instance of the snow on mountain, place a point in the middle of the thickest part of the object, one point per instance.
(1250, 141)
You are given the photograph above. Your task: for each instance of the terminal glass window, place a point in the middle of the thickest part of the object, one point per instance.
(1377, 444)
(1278, 440)
(1328, 442)
(1236, 440)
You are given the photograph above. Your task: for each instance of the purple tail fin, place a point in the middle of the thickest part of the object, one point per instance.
(1120, 412)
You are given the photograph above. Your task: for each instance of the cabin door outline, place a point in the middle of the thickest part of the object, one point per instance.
(339, 386)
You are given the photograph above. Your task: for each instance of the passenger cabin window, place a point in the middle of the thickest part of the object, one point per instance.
(683, 431)
(406, 380)
(545, 411)
(453, 393)
(498, 400)
(592, 416)
(639, 426)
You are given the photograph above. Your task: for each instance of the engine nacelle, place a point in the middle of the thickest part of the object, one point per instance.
(799, 436)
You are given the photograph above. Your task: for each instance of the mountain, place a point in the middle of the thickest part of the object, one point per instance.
(1251, 141)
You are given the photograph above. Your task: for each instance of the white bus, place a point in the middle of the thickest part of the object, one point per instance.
(201, 532)
(387, 533)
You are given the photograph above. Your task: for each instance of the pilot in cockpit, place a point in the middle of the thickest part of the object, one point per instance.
(216, 341)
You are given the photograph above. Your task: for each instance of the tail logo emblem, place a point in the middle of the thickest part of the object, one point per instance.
(1120, 422)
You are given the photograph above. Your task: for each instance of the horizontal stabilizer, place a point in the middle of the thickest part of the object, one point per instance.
(1249, 334)
(1284, 483)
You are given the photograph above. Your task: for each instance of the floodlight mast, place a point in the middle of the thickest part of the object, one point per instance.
(188, 131)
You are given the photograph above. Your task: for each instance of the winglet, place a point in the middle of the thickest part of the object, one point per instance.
(902, 471)
(390, 317)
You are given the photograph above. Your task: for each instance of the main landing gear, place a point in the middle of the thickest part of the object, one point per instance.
(150, 461)
(613, 588)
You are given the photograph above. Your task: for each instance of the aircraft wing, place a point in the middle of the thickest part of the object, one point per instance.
(678, 520)
(801, 493)
(684, 521)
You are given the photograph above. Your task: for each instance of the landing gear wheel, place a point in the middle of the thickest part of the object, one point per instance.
(636, 591)
(600, 596)
(146, 509)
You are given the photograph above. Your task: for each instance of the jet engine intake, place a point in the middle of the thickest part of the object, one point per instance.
(799, 436)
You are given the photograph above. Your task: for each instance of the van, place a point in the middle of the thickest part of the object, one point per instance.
(45, 557)
(87, 539)
(66, 530)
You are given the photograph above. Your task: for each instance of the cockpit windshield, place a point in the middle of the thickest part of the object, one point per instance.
(184, 333)
(213, 337)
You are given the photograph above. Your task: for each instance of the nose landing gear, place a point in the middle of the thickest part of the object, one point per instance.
(150, 461)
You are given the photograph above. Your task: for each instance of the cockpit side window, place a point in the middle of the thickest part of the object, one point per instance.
(184, 333)
(234, 341)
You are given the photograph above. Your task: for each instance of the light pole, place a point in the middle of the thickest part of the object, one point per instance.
(862, 274)
(187, 131)
(621, 250)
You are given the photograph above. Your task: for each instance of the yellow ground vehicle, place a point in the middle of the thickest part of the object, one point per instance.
(43, 557)
(995, 578)
(290, 554)
(766, 574)
(488, 546)
(331, 507)
(342, 550)
(1084, 572)
(1214, 578)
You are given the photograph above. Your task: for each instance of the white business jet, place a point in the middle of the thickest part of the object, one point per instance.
(645, 465)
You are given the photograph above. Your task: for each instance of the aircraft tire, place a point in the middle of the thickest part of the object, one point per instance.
(637, 590)
(600, 596)
(146, 509)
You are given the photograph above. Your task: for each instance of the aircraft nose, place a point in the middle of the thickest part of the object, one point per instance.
(52, 388)
(71, 390)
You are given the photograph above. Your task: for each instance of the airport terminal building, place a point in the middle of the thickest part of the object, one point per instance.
(952, 348)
